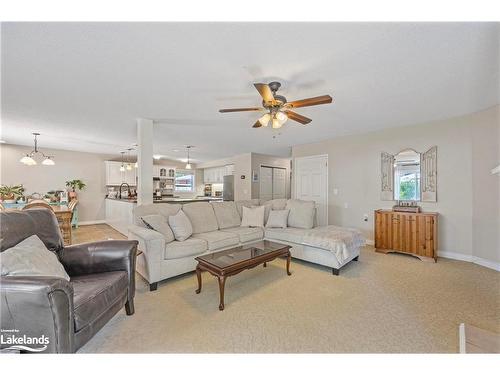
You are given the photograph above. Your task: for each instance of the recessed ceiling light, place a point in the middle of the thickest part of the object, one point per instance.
(157, 157)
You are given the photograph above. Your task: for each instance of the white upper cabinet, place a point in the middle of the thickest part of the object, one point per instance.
(229, 170)
(156, 170)
(215, 175)
(116, 177)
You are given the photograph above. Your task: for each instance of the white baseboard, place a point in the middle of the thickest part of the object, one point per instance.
(370, 242)
(92, 222)
(470, 258)
(487, 263)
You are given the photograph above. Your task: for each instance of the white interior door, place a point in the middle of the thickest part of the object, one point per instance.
(279, 183)
(266, 183)
(311, 183)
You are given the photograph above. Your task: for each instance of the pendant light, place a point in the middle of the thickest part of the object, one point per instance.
(188, 164)
(122, 167)
(129, 165)
(28, 158)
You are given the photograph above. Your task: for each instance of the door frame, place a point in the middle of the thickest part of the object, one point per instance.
(294, 174)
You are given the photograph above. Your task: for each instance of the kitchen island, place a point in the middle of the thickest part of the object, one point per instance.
(119, 212)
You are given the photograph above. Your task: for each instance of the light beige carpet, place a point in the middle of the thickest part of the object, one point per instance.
(383, 303)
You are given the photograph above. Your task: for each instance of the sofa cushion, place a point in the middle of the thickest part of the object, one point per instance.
(190, 247)
(202, 217)
(226, 213)
(273, 204)
(164, 209)
(301, 213)
(181, 226)
(246, 234)
(30, 257)
(277, 219)
(253, 216)
(218, 239)
(93, 294)
(159, 223)
(246, 203)
(295, 235)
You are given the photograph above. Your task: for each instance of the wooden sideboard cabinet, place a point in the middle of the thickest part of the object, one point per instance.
(407, 232)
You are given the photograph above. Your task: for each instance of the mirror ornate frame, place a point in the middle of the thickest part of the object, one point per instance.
(428, 175)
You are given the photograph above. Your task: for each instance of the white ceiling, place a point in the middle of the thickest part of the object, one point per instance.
(82, 85)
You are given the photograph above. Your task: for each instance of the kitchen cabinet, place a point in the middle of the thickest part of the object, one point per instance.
(215, 175)
(116, 177)
(229, 170)
(119, 214)
(156, 170)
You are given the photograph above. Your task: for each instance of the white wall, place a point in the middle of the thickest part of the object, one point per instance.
(468, 195)
(69, 165)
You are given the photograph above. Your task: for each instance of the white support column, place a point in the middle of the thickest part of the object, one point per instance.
(144, 161)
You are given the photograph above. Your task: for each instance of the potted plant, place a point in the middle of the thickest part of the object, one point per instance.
(9, 194)
(75, 184)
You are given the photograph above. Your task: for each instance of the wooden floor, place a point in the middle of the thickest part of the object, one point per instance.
(97, 232)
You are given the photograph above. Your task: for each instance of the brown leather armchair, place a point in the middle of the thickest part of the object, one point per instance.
(69, 313)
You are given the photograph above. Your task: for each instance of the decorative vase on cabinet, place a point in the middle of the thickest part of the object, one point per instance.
(407, 232)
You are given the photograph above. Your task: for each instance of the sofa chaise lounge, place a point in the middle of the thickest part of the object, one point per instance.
(217, 226)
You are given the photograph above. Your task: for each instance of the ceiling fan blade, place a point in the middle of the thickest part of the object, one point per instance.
(257, 125)
(299, 118)
(241, 109)
(265, 91)
(324, 99)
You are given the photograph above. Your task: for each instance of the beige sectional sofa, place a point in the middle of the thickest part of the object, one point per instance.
(216, 226)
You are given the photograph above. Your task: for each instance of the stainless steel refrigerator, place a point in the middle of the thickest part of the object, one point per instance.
(228, 188)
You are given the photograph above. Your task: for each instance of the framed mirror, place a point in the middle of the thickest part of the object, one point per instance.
(409, 176)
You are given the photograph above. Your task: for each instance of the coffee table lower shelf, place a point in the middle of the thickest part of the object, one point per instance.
(231, 269)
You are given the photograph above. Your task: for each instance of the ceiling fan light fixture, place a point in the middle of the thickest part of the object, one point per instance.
(281, 117)
(277, 123)
(264, 120)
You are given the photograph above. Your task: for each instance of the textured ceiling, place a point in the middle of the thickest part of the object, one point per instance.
(82, 85)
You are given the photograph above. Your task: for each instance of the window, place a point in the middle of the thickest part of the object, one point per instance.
(407, 182)
(184, 180)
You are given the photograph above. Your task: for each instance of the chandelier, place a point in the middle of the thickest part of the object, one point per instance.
(28, 158)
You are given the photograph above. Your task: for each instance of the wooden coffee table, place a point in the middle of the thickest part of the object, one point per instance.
(223, 264)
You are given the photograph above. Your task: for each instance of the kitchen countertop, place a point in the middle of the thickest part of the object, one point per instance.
(172, 200)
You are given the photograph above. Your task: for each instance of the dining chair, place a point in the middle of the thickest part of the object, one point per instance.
(38, 203)
(74, 212)
(2, 208)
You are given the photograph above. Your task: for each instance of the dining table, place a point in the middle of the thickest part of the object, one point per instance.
(63, 214)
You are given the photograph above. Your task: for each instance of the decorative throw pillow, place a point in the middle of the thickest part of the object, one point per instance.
(31, 258)
(253, 216)
(159, 224)
(301, 213)
(181, 226)
(277, 219)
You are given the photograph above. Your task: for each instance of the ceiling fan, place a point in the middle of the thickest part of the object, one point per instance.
(277, 109)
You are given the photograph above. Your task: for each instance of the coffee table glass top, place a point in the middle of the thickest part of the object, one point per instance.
(242, 253)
